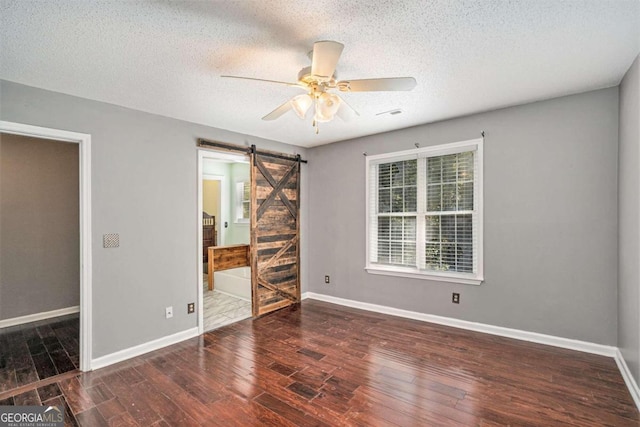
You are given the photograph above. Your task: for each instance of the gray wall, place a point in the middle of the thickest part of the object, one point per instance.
(39, 226)
(550, 219)
(629, 221)
(145, 188)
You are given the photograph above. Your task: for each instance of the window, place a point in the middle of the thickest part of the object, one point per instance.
(424, 211)
(243, 200)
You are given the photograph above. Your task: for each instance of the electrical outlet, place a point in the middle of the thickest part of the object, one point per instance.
(191, 307)
(168, 312)
(327, 279)
(455, 298)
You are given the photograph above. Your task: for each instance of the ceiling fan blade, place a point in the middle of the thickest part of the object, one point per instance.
(346, 112)
(278, 111)
(325, 58)
(263, 80)
(371, 85)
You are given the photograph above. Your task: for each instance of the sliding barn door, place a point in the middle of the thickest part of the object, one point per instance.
(275, 233)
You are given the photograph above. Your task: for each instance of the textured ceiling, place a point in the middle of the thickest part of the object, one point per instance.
(166, 57)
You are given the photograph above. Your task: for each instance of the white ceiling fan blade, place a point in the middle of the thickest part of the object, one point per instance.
(346, 112)
(263, 80)
(278, 111)
(325, 58)
(371, 85)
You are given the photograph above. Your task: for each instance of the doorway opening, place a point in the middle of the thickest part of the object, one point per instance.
(223, 216)
(267, 204)
(45, 314)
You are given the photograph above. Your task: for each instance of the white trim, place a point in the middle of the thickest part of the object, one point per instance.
(38, 316)
(587, 347)
(442, 277)
(84, 141)
(432, 150)
(479, 187)
(140, 349)
(200, 268)
(628, 378)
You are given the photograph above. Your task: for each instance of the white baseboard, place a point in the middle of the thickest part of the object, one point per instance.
(38, 316)
(571, 344)
(128, 353)
(632, 385)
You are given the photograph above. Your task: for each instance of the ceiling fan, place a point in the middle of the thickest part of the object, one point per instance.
(320, 80)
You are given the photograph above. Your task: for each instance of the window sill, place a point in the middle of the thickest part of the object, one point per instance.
(412, 274)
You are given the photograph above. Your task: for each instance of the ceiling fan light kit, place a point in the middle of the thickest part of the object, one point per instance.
(301, 104)
(320, 78)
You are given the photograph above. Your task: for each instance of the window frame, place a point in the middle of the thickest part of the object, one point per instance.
(239, 209)
(475, 145)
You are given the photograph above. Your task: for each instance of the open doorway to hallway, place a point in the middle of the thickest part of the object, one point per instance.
(39, 259)
(224, 185)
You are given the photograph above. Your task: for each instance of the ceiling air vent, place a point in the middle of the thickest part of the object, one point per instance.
(390, 112)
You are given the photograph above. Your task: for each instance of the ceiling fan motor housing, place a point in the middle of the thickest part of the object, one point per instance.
(305, 76)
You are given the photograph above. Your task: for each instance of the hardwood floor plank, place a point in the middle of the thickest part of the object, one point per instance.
(69, 417)
(163, 406)
(123, 420)
(49, 391)
(91, 418)
(135, 404)
(75, 395)
(7, 379)
(288, 412)
(303, 390)
(193, 407)
(28, 398)
(281, 369)
(26, 376)
(111, 408)
(99, 393)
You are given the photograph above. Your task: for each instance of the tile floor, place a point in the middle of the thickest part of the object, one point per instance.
(223, 309)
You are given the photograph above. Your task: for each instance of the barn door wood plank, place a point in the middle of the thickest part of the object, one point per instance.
(275, 233)
(279, 254)
(275, 289)
(278, 186)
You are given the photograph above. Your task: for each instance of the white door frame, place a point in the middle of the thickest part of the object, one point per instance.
(84, 141)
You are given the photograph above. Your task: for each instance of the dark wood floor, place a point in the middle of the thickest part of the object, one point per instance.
(38, 350)
(321, 364)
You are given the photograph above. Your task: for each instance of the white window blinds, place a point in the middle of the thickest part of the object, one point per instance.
(424, 211)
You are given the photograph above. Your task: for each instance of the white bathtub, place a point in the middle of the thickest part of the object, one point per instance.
(235, 282)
